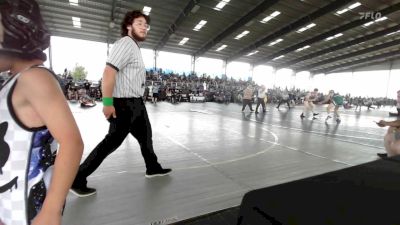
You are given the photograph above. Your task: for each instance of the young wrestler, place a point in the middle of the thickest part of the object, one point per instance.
(34, 177)
(334, 101)
(308, 103)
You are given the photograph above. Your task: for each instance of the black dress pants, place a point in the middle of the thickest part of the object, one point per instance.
(260, 101)
(247, 102)
(131, 118)
(284, 101)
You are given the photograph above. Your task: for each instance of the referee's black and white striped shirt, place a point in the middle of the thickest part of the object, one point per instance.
(126, 58)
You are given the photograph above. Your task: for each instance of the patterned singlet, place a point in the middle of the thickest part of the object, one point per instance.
(27, 156)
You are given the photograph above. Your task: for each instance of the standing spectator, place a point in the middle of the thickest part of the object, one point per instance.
(151, 92)
(64, 75)
(260, 98)
(155, 93)
(124, 81)
(248, 97)
(146, 93)
(284, 98)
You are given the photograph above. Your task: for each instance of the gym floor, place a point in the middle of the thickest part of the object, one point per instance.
(217, 154)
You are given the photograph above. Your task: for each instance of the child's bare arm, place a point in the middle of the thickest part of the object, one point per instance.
(44, 95)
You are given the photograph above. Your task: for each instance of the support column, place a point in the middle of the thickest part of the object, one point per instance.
(274, 74)
(390, 74)
(224, 67)
(193, 64)
(155, 59)
(293, 80)
(108, 49)
(251, 73)
(51, 56)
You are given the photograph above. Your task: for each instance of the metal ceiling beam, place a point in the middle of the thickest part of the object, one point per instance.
(356, 41)
(369, 59)
(73, 11)
(174, 26)
(242, 21)
(79, 35)
(291, 27)
(325, 35)
(368, 63)
(350, 55)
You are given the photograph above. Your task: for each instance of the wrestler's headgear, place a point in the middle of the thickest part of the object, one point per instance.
(22, 30)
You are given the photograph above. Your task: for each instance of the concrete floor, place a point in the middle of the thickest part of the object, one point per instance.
(217, 154)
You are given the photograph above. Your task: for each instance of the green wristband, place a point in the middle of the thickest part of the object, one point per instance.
(107, 101)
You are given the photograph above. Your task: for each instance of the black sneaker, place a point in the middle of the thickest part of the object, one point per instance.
(82, 191)
(302, 116)
(382, 155)
(314, 114)
(158, 173)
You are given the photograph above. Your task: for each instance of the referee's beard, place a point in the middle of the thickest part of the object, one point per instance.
(136, 36)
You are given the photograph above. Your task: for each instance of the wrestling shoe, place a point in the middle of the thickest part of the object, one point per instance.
(82, 191)
(382, 155)
(157, 173)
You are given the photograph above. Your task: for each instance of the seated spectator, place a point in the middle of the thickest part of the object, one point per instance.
(391, 139)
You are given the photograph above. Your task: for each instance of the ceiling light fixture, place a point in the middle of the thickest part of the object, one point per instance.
(74, 2)
(275, 42)
(221, 5)
(200, 25)
(270, 17)
(244, 33)
(352, 6)
(146, 10)
(183, 41)
(252, 53)
(309, 26)
(222, 47)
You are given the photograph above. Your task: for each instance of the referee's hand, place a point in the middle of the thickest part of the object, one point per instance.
(109, 112)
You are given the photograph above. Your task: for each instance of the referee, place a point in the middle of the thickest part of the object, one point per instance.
(123, 87)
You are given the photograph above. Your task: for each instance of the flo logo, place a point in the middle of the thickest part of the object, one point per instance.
(370, 15)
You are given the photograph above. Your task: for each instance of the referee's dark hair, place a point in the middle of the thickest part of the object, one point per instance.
(128, 19)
